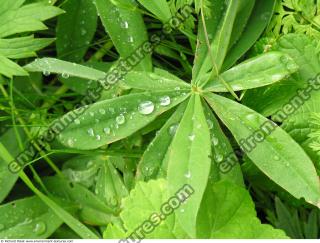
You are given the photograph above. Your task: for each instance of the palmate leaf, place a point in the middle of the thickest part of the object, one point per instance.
(27, 218)
(278, 155)
(227, 212)
(16, 18)
(189, 161)
(107, 121)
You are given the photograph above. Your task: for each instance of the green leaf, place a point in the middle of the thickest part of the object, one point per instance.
(189, 161)
(277, 154)
(15, 18)
(9, 68)
(111, 120)
(52, 65)
(75, 29)
(153, 163)
(228, 212)
(219, 26)
(27, 218)
(153, 81)
(260, 71)
(147, 199)
(159, 8)
(258, 21)
(92, 209)
(22, 47)
(7, 177)
(110, 187)
(121, 25)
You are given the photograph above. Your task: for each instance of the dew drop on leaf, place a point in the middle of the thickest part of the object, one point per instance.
(102, 111)
(219, 157)
(65, 75)
(107, 130)
(165, 101)
(120, 119)
(276, 157)
(98, 137)
(188, 175)
(215, 141)
(173, 129)
(146, 107)
(125, 25)
(40, 228)
(91, 132)
(210, 124)
(191, 137)
(46, 73)
(77, 121)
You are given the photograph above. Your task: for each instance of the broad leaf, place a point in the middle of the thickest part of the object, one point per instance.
(272, 150)
(228, 212)
(75, 29)
(27, 218)
(147, 199)
(260, 71)
(189, 162)
(259, 19)
(121, 25)
(107, 121)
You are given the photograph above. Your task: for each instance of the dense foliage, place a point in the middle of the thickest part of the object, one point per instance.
(166, 119)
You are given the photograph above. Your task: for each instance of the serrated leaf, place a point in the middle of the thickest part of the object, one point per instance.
(256, 72)
(27, 218)
(108, 121)
(277, 155)
(147, 199)
(228, 212)
(75, 29)
(189, 161)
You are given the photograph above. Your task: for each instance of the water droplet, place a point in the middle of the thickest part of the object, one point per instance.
(215, 141)
(130, 39)
(98, 137)
(177, 88)
(40, 228)
(46, 73)
(173, 129)
(219, 158)
(188, 175)
(125, 25)
(182, 210)
(165, 101)
(77, 121)
(210, 124)
(191, 137)
(276, 77)
(102, 111)
(148, 171)
(287, 164)
(276, 157)
(120, 119)
(83, 32)
(107, 130)
(65, 75)
(146, 107)
(70, 142)
(91, 132)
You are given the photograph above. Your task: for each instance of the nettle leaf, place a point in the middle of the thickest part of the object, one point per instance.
(16, 18)
(153, 81)
(107, 121)
(228, 212)
(189, 161)
(121, 24)
(27, 218)
(219, 26)
(258, 21)
(260, 71)
(91, 209)
(277, 154)
(159, 8)
(75, 29)
(153, 163)
(147, 199)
